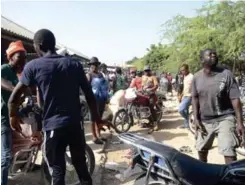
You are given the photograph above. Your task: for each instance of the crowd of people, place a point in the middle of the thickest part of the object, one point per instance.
(212, 91)
(58, 81)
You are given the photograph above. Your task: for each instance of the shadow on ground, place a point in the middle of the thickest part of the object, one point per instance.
(170, 124)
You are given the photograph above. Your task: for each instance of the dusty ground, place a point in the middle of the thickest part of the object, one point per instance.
(169, 134)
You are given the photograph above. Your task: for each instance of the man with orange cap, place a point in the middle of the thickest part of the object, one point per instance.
(16, 55)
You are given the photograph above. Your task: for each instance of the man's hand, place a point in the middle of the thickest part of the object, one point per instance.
(241, 133)
(200, 127)
(37, 137)
(100, 125)
(15, 123)
(180, 98)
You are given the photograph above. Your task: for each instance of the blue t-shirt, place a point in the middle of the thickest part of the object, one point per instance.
(59, 80)
(100, 87)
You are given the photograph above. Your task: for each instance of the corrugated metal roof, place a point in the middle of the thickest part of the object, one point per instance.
(13, 27)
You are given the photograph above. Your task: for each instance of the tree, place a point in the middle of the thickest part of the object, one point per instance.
(216, 25)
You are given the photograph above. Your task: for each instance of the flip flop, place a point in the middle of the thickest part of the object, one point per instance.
(103, 139)
(98, 141)
(185, 149)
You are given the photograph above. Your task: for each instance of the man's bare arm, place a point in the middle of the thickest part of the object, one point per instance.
(236, 103)
(6, 85)
(196, 107)
(14, 100)
(39, 103)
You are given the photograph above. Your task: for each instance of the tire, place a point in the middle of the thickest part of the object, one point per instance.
(161, 100)
(122, 118)
(46, 177)
(159, 112)
(90, 159)
(191, 123)
(85, 112)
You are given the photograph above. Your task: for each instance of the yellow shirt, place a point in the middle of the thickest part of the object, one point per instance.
(149, 81)
(187, 85)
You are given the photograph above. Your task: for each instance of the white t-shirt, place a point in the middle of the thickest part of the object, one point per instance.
(187, 85)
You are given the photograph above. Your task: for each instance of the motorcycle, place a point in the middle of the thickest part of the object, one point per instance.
(161, 96)
(25, 150)
(164, 165)
(136, 107)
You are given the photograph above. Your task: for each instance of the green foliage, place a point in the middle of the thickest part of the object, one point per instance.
(217, 25)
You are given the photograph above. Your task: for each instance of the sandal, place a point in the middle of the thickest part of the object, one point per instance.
(143, 125)
(103, 139)
(98, 141)
(185, 149)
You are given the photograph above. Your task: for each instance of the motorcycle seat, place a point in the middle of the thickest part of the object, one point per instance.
(196, 172)
(187, 169)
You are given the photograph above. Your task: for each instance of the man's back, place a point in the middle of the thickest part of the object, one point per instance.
(58, 80)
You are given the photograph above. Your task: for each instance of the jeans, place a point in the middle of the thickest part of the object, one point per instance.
(184, 110)
(6, 151)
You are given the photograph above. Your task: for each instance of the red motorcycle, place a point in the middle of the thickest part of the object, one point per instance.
(137, 106)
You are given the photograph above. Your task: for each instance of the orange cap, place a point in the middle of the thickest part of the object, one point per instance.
(14, 47)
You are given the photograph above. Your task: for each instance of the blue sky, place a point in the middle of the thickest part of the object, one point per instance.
(113, 31)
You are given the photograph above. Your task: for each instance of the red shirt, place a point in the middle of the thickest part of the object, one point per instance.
(136, 83)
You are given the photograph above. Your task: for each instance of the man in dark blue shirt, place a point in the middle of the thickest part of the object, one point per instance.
(59, 80)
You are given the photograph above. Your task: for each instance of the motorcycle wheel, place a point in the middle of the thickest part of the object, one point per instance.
(162, 99)
(122, 121)
(85, 113)
(71, 177)
(159, 111)
(191, 123)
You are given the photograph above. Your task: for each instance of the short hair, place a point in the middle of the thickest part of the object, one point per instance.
(185, 66)
(118, 70)
(205, 50)
(46, 39)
